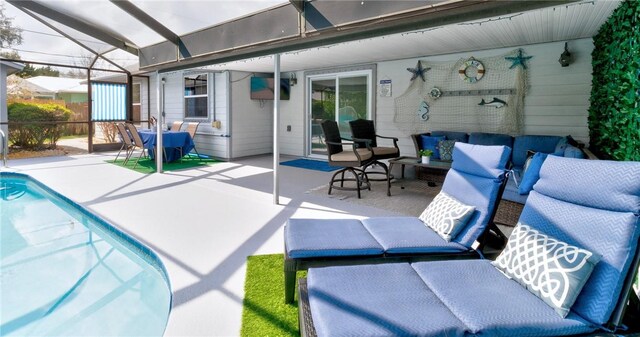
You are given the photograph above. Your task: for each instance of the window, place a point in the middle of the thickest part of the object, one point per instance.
(196, 97)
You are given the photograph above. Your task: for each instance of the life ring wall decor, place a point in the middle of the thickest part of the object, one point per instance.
(466, 69)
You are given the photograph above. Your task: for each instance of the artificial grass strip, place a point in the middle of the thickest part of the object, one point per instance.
(146, 165)
(264, 312)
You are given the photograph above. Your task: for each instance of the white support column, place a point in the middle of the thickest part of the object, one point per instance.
(160, 120)
(276, 125)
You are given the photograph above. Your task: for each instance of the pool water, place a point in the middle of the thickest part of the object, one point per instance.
(65, 272)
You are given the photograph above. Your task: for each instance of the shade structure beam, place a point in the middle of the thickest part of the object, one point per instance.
(107, 37)
(89, 49)
(147, 20)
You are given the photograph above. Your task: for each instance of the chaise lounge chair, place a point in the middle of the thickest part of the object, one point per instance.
(591, 205)
(476, 178)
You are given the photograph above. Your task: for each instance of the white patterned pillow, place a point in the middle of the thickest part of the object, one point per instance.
(550, 269)
(446, 215)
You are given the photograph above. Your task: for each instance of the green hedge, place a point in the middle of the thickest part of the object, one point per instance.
(614, 115)
(32, 125)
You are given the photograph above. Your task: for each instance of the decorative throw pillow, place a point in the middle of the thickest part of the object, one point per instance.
(431, 143)
(446, 215)
(446, 149)
(531, 172)
(550, 269)
(562, 144)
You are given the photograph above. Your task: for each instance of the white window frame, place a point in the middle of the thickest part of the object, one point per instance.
(185, 97)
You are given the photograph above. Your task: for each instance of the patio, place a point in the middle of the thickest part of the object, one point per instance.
(198, 222)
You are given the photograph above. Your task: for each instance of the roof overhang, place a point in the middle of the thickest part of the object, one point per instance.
(285, 28)
(12, 67)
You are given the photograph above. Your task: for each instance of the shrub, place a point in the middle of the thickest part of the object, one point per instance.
(31, 125)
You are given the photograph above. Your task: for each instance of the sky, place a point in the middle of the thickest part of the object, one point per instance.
(40, 43)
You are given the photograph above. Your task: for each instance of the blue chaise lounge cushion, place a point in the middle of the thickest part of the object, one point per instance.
(328, 237)
(592, 204)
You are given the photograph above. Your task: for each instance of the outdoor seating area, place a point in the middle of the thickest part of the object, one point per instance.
(556, 254)
(320, 168)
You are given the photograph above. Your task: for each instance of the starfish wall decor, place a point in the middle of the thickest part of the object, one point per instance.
(418, 71)
(518, 60)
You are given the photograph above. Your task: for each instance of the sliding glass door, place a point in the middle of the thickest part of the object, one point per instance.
(342, 97)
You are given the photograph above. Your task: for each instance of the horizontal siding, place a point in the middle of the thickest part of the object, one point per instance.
(251, 122)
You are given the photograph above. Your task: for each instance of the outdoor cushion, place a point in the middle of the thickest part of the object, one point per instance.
(482, 138)
(511, 192)
(408, 235)
(446, 215)
(329, 237)
(377, 300)
(446, 149)
(349, 156)
(383, 151)
(482, 161)
(531, 173)
(561, 146)
(550, 269)
(522, 144)
(431, 143)
(452, 135)
(599, 213)
(491, 304)
(573, 152)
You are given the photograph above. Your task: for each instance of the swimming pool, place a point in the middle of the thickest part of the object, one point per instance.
(66, 272)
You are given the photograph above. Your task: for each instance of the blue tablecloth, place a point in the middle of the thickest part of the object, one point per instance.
(171, 141)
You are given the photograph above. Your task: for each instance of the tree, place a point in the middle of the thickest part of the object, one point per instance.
(9, 34)
(31, 71)
(12, 55)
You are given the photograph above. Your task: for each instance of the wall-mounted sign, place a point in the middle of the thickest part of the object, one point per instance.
(385, 88)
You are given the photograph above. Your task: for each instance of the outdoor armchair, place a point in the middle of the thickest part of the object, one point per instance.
(590, 208)
(476, 178)
(351, 159)
(365, 129)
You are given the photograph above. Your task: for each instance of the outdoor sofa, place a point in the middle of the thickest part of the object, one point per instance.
(522, 146)
(476, 178)
(593, 206)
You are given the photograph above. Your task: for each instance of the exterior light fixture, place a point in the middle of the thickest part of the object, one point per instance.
(565, 57)
(292, 79)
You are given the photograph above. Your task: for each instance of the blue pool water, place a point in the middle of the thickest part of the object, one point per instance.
(65, 272)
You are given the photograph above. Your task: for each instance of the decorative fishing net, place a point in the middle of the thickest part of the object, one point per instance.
(457, 108)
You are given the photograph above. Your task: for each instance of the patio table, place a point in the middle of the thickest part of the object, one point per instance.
(171, 141)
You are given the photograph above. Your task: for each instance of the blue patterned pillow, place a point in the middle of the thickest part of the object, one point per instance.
(446, 149)
(446, 216)
(550, 269)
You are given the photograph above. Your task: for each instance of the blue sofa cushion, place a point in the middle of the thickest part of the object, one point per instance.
(446, 215)
(592, 204)
(531, 173)
(408, 235)
(482, 138)
(329, 237)
(550, 269)
(561, 146)
(431, 143)
(377, 300)
(573, 152)
(511, 192)
(452, 135)
(490, 304)
(522, 144)
(482, 161)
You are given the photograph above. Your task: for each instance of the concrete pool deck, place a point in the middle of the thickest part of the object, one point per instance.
(202, 223)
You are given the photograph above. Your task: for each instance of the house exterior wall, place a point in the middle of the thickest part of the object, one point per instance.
(556, 103)
(72, 97)
(209, 140)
